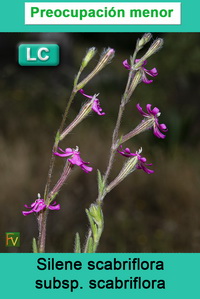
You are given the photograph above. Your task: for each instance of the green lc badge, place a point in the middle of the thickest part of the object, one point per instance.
(38, 55)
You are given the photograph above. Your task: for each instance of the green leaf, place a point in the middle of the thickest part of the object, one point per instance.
(99, 178)
(101, 184)
(92, 224)
(90, 246)
(120, 141)
(34, 246)
(96, 213)
(77, 248)
(52, 198)
(57, 139)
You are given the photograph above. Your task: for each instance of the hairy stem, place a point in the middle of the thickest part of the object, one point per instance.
(115, 136)
(65, 174)
(114, 141)
(42, 220)
(43, 215)
(55, 146)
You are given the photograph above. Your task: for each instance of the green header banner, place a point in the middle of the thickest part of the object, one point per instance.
(130, 275)
(99, 16)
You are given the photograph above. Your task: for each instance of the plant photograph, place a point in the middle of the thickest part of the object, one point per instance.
(101, 153)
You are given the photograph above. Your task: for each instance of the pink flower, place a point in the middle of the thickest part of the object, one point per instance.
(39, 205)
(153, 72)
(154, 114)
(96, 104)
(74, 159)
(141, 164)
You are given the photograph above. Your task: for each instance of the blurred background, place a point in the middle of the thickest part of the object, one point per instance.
(145, 213)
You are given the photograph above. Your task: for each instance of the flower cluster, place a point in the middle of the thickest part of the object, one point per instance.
(153, 72)
(141, 164)
(95, 105)
(74, 159)
(154, 114)
(39, 205)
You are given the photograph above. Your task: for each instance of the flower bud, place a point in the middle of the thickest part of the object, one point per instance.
(84, 112)
(142, 127)
(156, 45)
(128, 167)
(89, 55)
(144, 40)
(136, 80)
(106, 57)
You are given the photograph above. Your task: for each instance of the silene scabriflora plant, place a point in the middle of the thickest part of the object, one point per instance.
(72, 156)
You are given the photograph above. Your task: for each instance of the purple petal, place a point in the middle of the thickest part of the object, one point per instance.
(96, 104)
(54, 206)
(60, 155)
(76, 160)
(39, 207)
(145, 79)
(153, 72)
(126, 153)
(126, 64)
(60, 149)
(68, 151)
(85, 168)
(86, 95)
(27, 207)
(148, 171)
(25, 213)
(144, 62)
(163, 127)
(142, 159)
(139, 108)
(123, 153)
(144, 168)
(148, 107)
(157, 133)
(153, 111)
(127, 150)
(96, 107)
